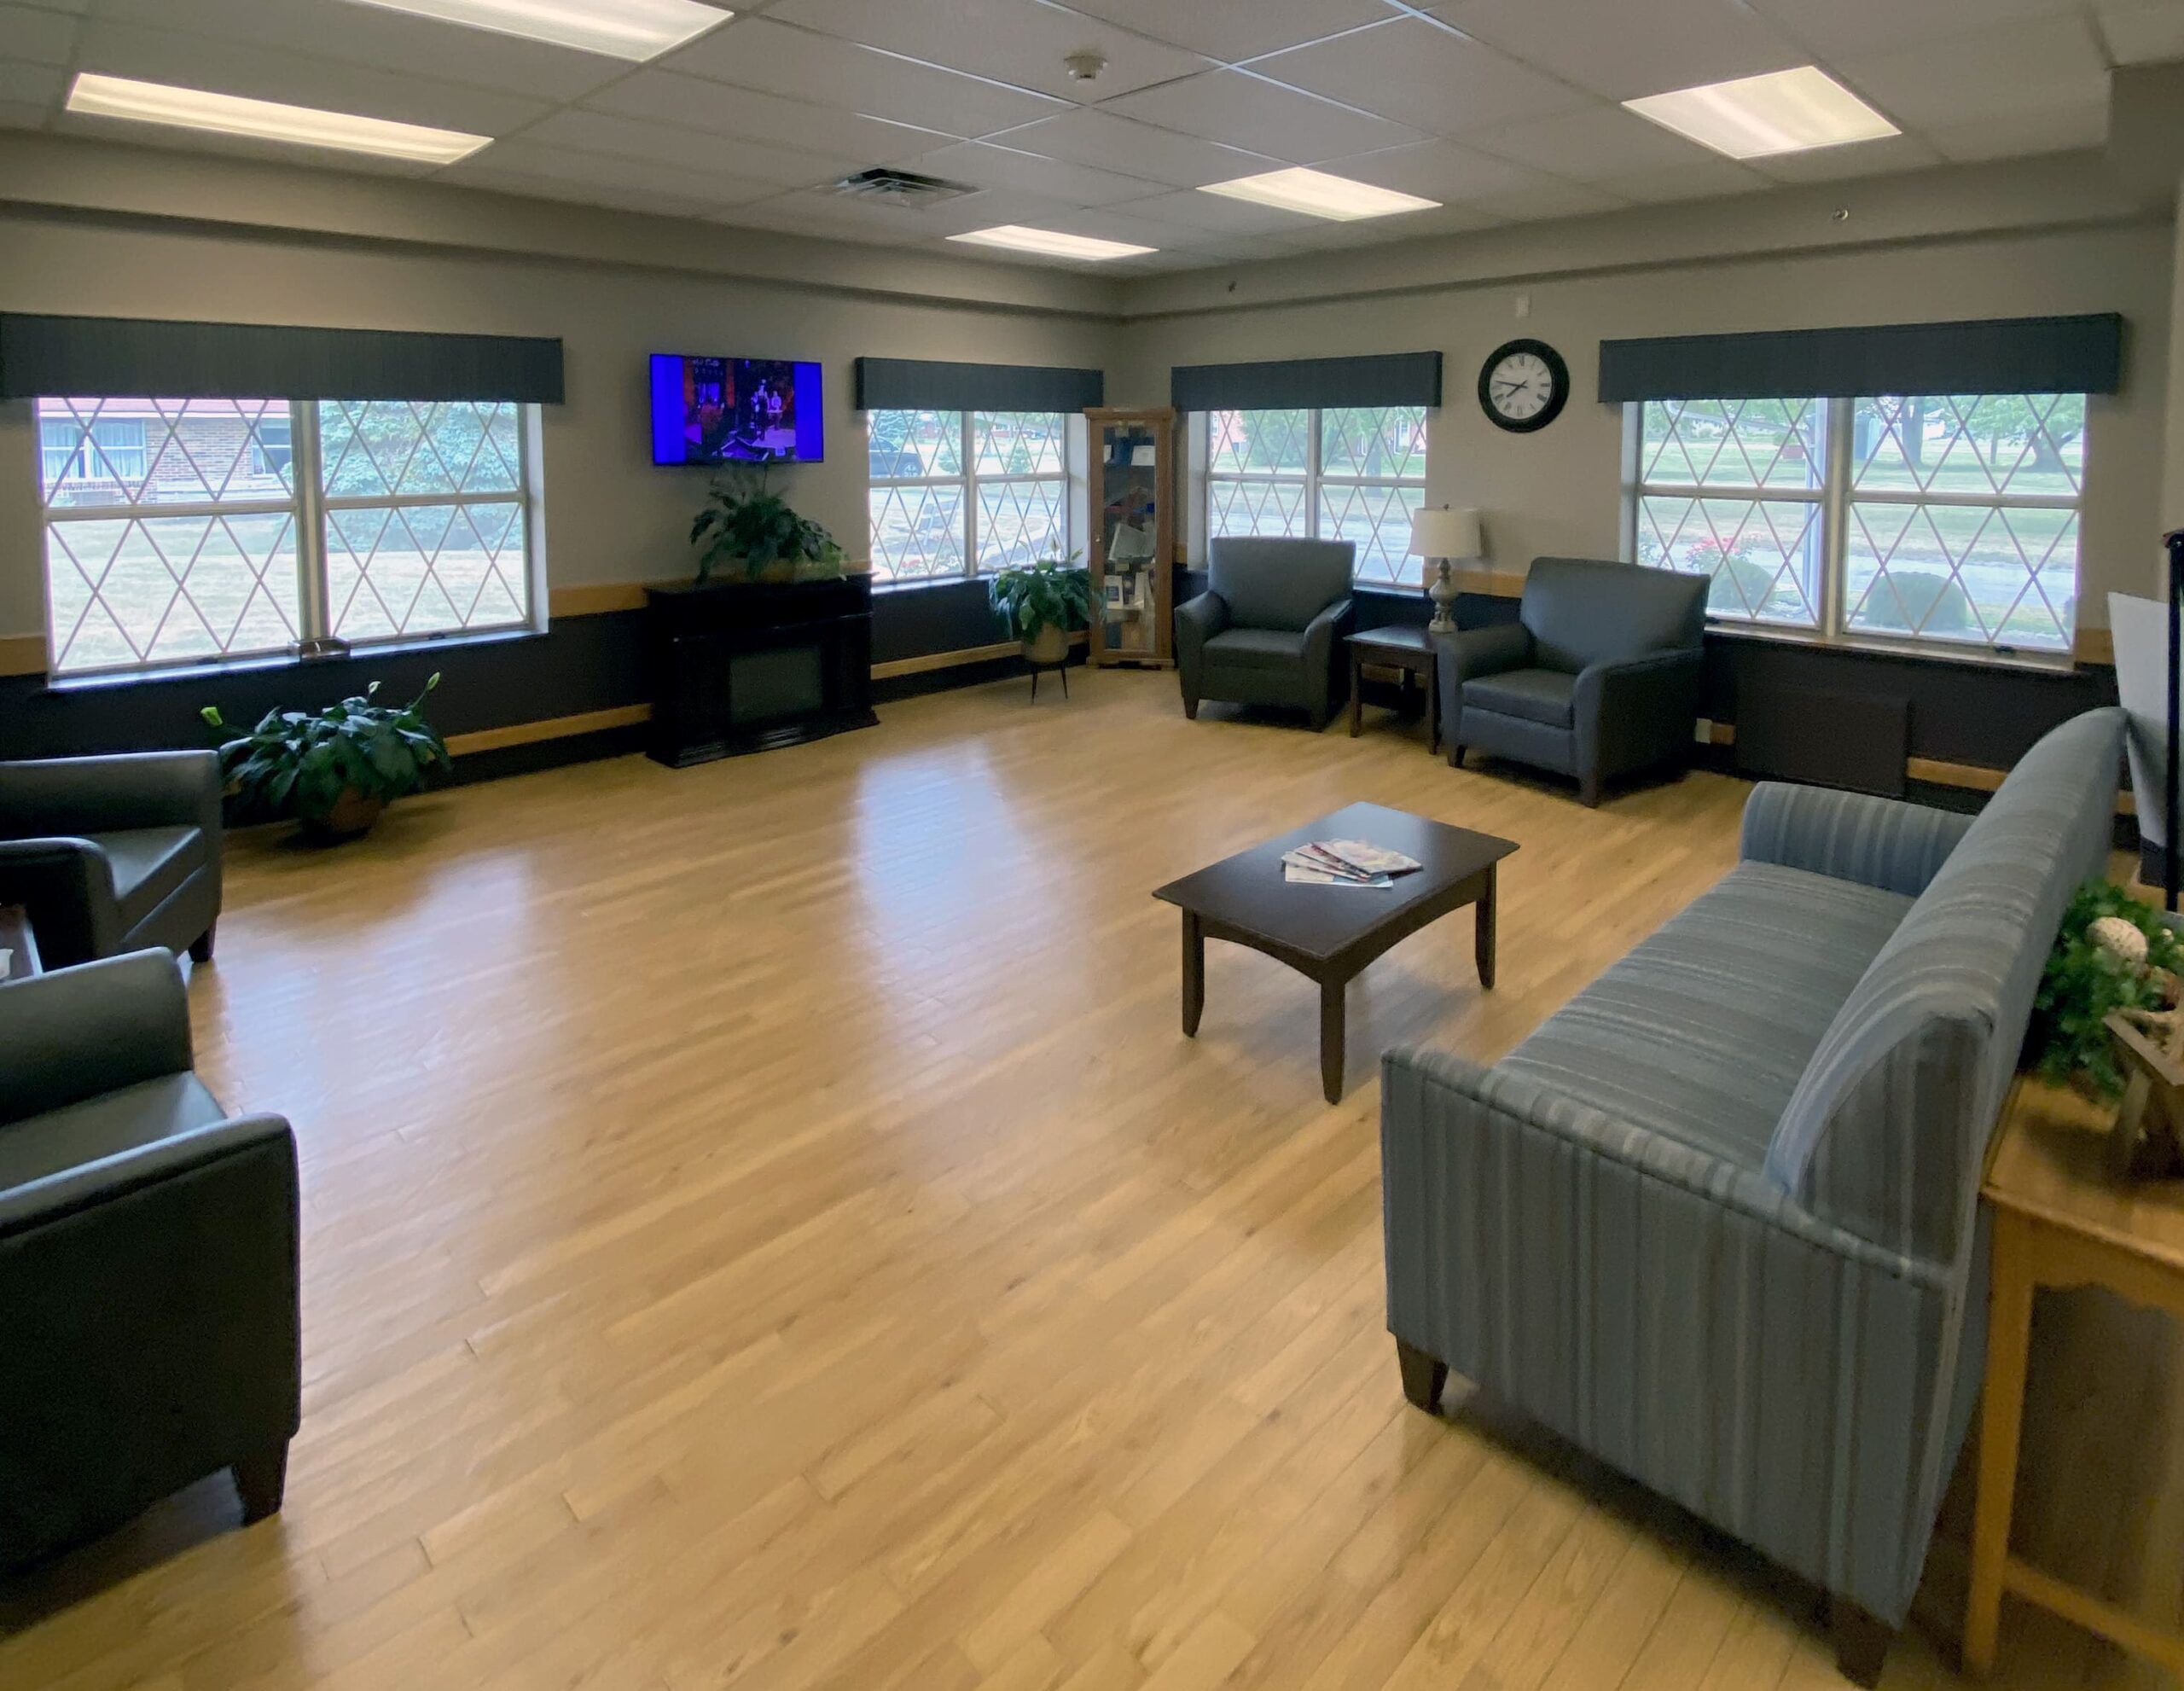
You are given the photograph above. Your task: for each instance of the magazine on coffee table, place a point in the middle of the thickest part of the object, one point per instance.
(1344, 862)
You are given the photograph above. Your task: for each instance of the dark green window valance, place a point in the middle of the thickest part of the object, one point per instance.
(1385, 378)
(928, 385)
(1997, 355)
(98, 357)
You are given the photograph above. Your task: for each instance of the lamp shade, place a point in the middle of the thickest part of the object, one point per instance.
(1444, 532)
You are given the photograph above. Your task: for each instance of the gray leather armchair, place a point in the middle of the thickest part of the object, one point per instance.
(148, 1314)
(1599, 676)
(1269, 629)
(112, 854)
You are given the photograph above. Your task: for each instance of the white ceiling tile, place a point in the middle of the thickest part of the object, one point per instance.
(690, 149)
(270, 74)
(1215, 216)
(1846, 29)
(1239, 109)
(1884, 157)
(773, 58)
(2143, 35)
(377, 38)
(2061, 129)
(38, 85)
(18, 115)
(987, 164)
(1023, 41)
(821, 212)
(1625, 50)
(1413, 72)
(1549, 199)
(1702, 180)
(1945, 83)
(1106, 222)
(1229, 30)
(696, 103)
(1437, 169)
(524, 157)
(1590, 145)
(1108, 142)
(43, 38)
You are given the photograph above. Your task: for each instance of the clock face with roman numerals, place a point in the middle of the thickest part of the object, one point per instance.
(1523, 385)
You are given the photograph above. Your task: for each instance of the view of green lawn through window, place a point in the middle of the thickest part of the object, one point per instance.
(1949, 520)
(1354, 474)
(174, 531)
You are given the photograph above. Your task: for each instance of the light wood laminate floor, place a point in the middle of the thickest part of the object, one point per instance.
(764, 1227)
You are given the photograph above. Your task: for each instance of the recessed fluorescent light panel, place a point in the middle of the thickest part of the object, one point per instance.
(1756, 117)
(636, 30)
(158, 102)
(1317, 194)
(1050, 242)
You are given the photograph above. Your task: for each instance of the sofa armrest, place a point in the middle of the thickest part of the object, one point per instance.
(1674, 1314)
(77, 1032)
(1882, 843)
(1197, 621)
(1631, 713)
(92, 795)
(67, 887)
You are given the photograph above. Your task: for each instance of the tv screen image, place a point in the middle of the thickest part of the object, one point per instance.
(736, 411)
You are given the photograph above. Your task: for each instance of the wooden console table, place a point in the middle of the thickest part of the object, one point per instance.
(2059, 1219)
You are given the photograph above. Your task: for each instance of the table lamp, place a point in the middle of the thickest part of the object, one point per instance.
(1444, 532)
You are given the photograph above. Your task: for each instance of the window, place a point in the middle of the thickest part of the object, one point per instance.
(110, 450)
(1353, 474)
(955, 493)
(184, 530)
(1948, 522)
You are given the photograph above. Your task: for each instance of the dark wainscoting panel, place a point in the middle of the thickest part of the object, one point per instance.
(1960, 714)
(1849, 739)
(582, 664)
(916, 622)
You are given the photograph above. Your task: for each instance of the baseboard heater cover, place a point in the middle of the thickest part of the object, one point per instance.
(1847, 740)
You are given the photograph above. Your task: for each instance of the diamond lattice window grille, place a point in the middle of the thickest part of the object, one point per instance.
(1259, 443)
(917, 531)
(1981, 446)
(1760, 554)
(394, 448)
(1020, 522)
(1009, 444)
(409, 571)
(910, 445)
(170, 589)
(1968, 573)
(1728, 443)
(1384, 442)
(1376, 520)
(1256, 506)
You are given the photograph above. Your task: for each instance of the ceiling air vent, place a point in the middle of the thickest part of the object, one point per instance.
(906, 189)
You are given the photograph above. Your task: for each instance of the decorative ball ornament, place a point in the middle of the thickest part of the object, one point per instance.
(2121, 939)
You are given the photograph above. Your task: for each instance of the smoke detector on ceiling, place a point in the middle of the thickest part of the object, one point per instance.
(904, 188)
(1084, 66)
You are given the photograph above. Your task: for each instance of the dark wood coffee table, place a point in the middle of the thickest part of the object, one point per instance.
(1329, 934)
(19, 942)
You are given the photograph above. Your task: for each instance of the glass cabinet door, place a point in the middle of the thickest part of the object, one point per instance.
(1129, 486)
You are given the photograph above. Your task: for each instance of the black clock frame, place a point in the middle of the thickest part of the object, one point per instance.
(1555, 401)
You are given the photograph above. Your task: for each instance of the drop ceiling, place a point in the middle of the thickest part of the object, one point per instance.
(1505, 110)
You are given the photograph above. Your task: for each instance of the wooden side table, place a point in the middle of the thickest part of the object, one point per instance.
(1412, 651)
(21, 945)
(2059, 1219)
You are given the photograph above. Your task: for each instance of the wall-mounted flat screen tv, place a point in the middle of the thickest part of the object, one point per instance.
(736, 411)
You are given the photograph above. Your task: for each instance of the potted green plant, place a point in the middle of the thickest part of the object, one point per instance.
(1042, 604)
(2086, 980)
(333, 770)
(747, 528)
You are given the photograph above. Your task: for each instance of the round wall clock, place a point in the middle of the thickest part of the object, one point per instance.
(1523, 387)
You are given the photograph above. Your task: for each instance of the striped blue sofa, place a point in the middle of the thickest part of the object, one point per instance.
(1714, 1221)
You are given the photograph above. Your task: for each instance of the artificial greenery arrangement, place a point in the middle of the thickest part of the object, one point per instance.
(1053, 593)
(745, 527)
(332, 770)
(2086, 980)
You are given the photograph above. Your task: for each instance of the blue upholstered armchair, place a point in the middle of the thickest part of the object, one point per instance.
(1715, 1220)
(1598, 676)
(1269, 629)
